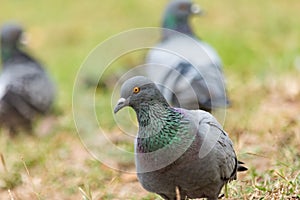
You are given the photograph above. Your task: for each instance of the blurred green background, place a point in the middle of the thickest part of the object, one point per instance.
(258, 41)
(253, 38)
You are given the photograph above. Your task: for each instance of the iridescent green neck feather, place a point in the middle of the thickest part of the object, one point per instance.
(6, 53)
(175, 23)
(159, 126)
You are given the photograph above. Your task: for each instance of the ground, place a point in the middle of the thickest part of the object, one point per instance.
(259, 45)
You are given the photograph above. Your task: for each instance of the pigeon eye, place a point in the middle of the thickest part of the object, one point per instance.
(136, 90)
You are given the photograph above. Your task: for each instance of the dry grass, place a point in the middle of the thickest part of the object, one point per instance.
(259, 44)
(269, 143)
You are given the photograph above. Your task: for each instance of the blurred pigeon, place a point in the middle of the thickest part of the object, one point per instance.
(25, 88)
(187, 70)
(177, 148)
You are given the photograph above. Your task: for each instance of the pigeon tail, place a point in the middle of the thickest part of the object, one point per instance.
(240, 167)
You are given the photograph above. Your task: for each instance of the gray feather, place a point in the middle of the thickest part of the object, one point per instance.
(25, 87)
(203, 84)
(176, 147)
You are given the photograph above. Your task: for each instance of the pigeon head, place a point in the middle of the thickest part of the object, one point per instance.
(138, 91)
(11, 35)
(177, 14)
(12, 38)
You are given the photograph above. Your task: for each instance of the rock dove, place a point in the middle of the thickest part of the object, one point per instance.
(25, 87)
(187, 70)
(177, 148)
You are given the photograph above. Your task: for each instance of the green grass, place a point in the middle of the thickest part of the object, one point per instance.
(258, 42)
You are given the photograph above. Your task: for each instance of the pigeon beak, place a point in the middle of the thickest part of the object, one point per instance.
(122, 102)
(196, 10)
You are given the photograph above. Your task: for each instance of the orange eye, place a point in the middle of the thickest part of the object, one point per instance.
(136, 90)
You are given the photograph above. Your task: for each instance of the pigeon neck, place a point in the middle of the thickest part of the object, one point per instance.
(7, 52)
(158, 127)
(176, 24)
(12, 54)
(149, 112)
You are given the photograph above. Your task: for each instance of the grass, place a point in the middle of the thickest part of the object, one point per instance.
(259, 44)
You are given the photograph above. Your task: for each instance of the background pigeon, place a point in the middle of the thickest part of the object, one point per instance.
(175, 147)
(187, 70)
(25, 88)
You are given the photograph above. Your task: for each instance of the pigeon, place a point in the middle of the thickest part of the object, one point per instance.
(177, 149)
(187, 70)
(26, 90)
